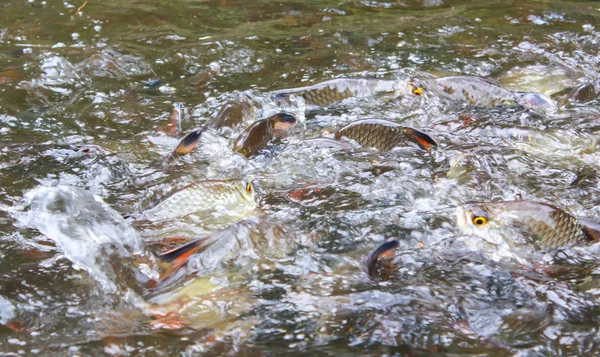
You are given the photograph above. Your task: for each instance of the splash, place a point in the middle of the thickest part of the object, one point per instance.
(88, 232)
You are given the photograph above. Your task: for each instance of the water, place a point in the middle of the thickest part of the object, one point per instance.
(85, 102)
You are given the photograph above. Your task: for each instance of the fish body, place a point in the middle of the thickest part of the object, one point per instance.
(550, 226)
(474, 91)
(384, 135)
(480, 92)
(385, 250)
(201, 196)
(233, 113)
(585, 92)
(336, 90)
(258, 135)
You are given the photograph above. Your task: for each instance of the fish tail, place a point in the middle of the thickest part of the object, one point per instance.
(180, 255)
(591, 234)
(188, 143)
(423, 140)
(384, 250)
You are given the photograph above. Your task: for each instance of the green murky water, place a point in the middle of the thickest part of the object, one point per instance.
(85, 101)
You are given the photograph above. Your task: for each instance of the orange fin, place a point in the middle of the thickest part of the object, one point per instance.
(423, 140)
(180, 255)
(383, 251)
(188, 143)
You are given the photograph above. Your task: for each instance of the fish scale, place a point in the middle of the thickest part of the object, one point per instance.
(383, 135)
(335, 90)
(551, 226)
(201, 196)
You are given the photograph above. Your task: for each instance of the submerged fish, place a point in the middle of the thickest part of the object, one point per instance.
(258, 135)
(233, 113)
(479, 92)
(204, 195)
(384, 135)
(385, 250)
(550, 226)
(336, 90)
(585, 92)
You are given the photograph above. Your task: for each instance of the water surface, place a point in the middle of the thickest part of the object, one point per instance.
(85, 99)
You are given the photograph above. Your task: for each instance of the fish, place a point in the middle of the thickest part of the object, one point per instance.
(479, 92)
(550, 226)
(585, 93)
(233, 113)
(258, 135)
(384, 135)
(336, 90)
(202, 196)
(180, 255)
(188, 143)
(385, 250)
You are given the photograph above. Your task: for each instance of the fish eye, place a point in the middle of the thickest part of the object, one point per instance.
(479, 220)
(418, 91)
(248, 187)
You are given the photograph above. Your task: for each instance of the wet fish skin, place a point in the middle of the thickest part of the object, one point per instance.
(188, 143)
(475, 91)
(258, 135)
(203, 195)
(384, 250)
(551, 226)
(585, 92)
(232, 113)
(481, 92)
(336, 90)
(384, 135)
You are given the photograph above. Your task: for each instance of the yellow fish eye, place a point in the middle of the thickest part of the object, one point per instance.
(249, 187)
(418, 91)
(479, 220)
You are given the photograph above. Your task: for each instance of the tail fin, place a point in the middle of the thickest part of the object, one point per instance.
(384, 250)
(423, 140)
(590, 230)
(180, 255)
(188, 143)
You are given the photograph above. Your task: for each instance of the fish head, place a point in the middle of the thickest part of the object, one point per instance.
(419, 87)
(474, 219)
(246, 192)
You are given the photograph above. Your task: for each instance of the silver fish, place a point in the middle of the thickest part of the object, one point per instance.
(201, 196)
(550, 226)
(336, 90)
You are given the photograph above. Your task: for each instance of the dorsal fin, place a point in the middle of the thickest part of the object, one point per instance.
(384, 250)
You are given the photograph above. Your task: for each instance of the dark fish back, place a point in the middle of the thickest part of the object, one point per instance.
(325, 95)
(585, 92)
(232, 113)
(254, 138)
(381, 137)
(384, 135)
